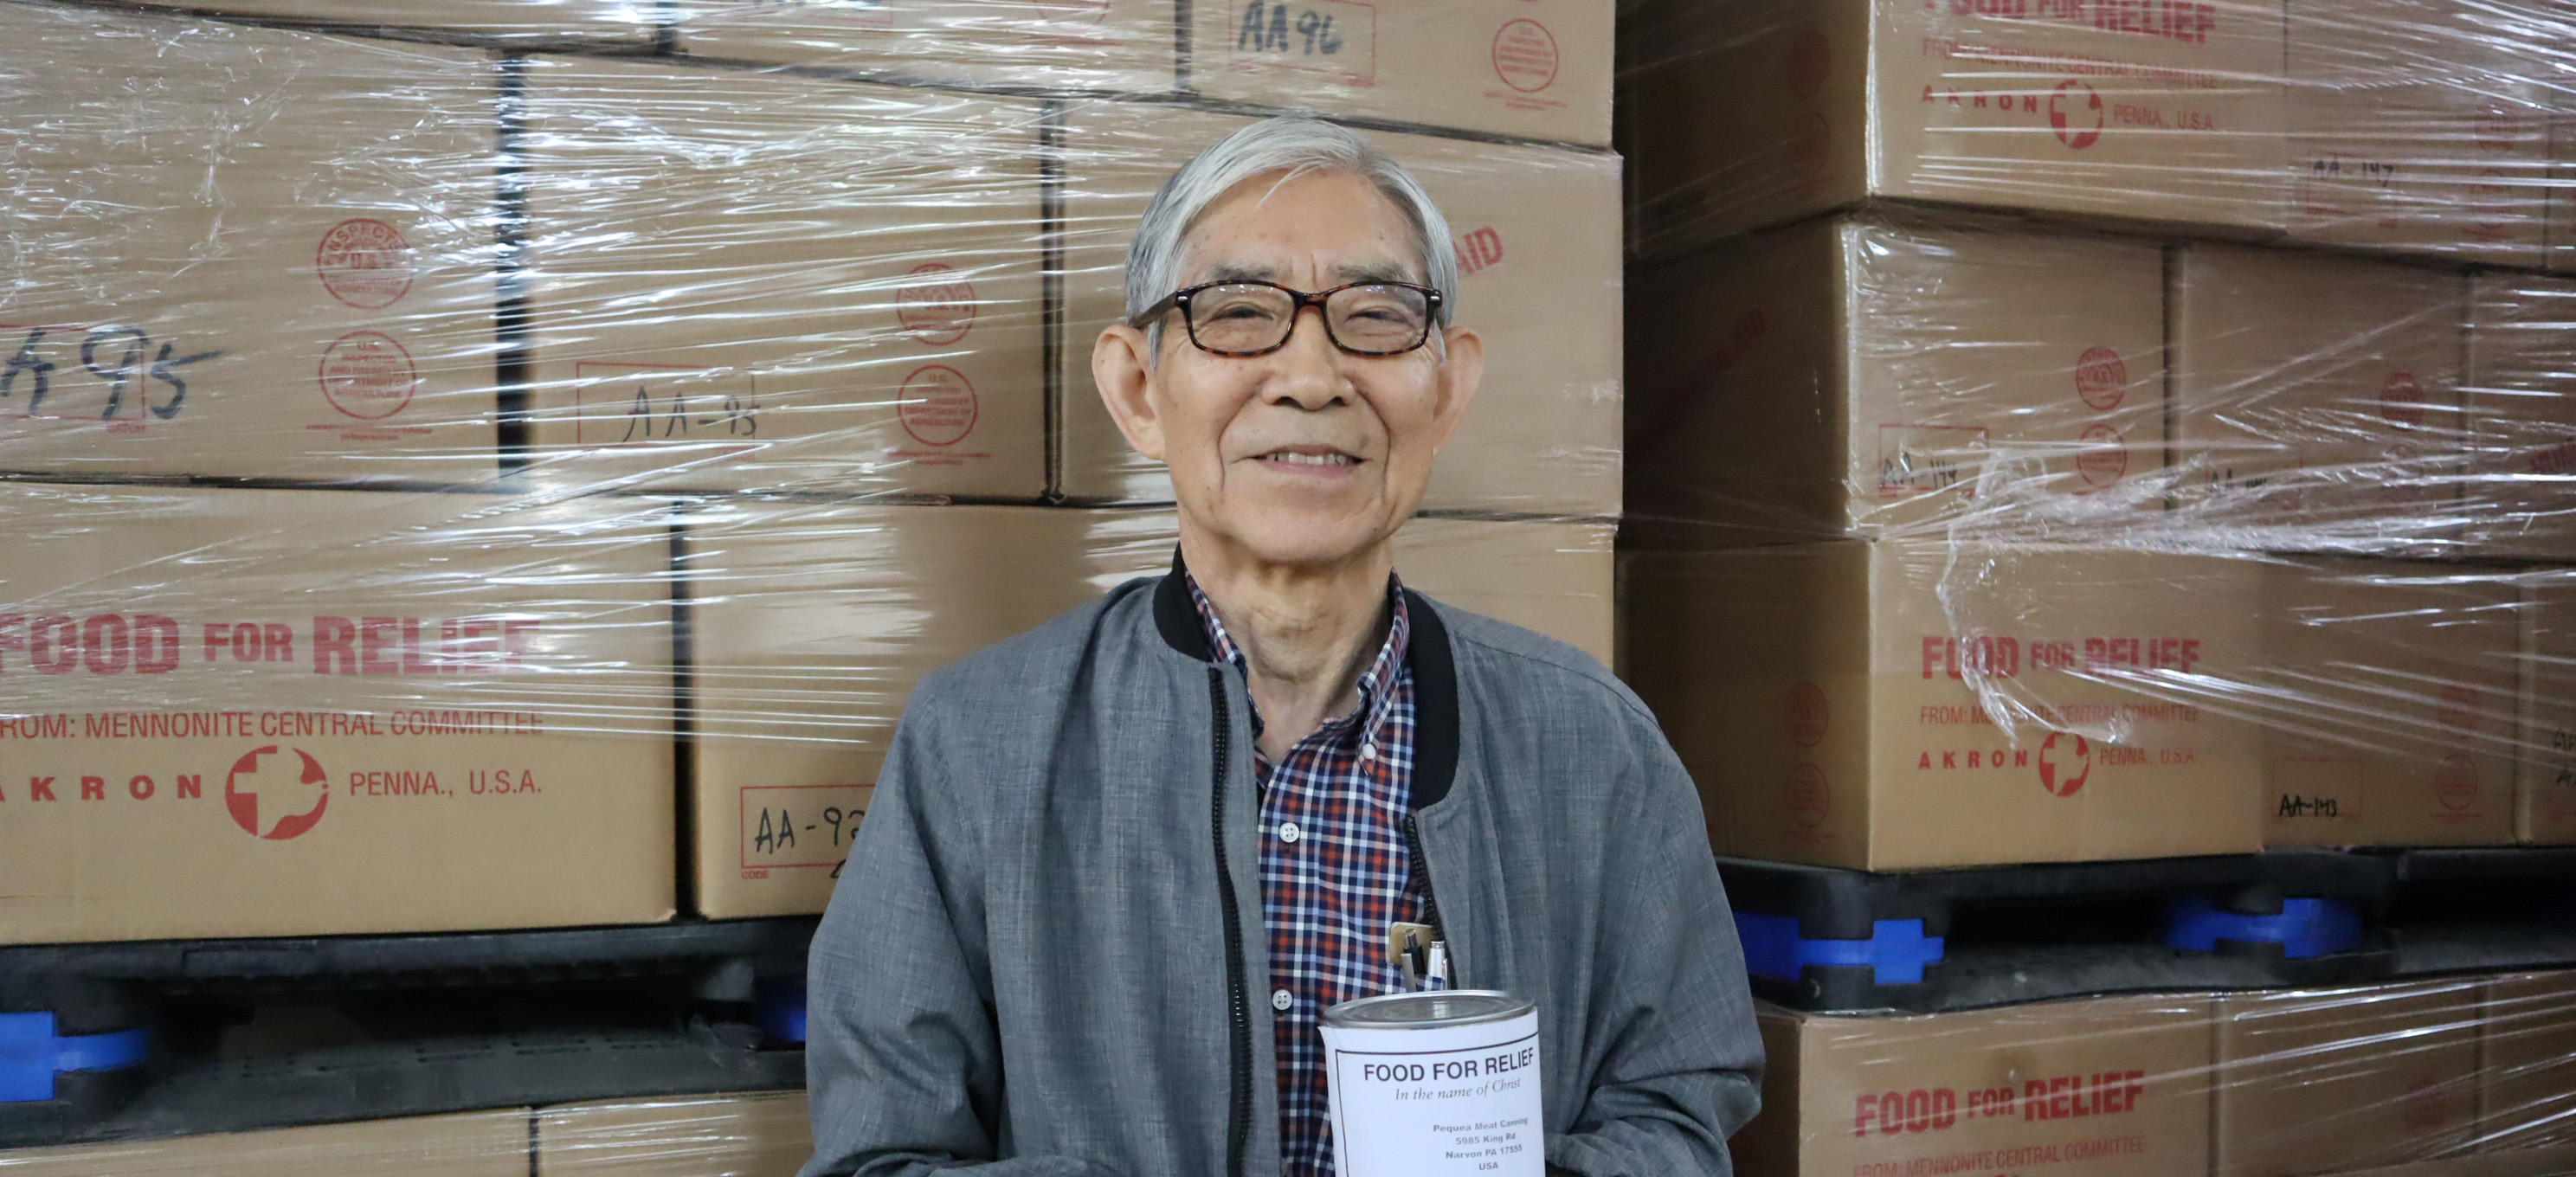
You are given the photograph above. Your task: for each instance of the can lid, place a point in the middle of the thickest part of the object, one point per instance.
(1439, 1009)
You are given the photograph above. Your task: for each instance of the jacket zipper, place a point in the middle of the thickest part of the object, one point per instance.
(1430, 901)
(1238, 1126)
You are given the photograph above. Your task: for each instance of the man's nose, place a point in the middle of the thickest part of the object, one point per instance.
(1307, 370)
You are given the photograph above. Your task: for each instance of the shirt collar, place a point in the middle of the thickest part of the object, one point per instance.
(1375, 698)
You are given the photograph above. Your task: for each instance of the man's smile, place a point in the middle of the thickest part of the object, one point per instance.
(1319, 458)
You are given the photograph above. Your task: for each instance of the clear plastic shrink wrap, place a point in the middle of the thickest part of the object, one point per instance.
(498, 468)
(2097, 480)
(480, 480)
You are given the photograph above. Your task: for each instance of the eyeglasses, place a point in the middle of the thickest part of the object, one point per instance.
(1256, 318)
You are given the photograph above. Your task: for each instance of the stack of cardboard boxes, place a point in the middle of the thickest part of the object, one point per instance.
(677, 314)
(2079, 431)
(499, 465)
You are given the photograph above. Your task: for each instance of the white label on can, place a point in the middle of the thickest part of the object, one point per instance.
(1434, 1102)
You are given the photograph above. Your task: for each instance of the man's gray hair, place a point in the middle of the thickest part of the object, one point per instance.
(1296, 146)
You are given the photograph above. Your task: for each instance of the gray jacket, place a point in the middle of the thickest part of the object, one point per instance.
(1046, 957)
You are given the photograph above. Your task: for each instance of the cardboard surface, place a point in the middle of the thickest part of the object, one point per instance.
(2425, 168)
(475, 1144)
(1116, 45)
(266, 713)
(1760, 113)
(1536, 235)
(2333, 1080)
(1536, 69)
(1532, 69)
(2520, 496)
(291, 275)
(2418, 126)
(2318, 392)
(812, 623)
(1889, 376)
(789, 284)
(622, 24)
(2096, 1088)
(2527, 1063)
(2388, 704)
(756, 1135)
(1827, 697)
(2545, 785)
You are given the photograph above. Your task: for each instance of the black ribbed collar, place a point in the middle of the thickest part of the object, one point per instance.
(1435, 676)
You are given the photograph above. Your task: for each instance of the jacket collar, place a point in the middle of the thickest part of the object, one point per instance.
(1435, 676)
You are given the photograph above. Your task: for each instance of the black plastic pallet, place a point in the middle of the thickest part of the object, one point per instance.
(110, 1038)
(447, 958)
(380, 1081)
(1830, 939)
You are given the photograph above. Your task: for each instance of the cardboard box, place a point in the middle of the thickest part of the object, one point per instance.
(2418, 126)
(2561, 210)
(2318, 396)
(475, 1144)
(2520, 496)
(619, 24)
(2527, 1063)
(245, 253)
(2333, 1080)
(2101, 1087)
(1532, 69)
(2388, 703)
(2545, 785)
(2424, 168)
(765, 1134)
(1752, 114)
(744, 282)
(1904, 704)
(1125, 46)
(1536, 235)
(1882, 376)
(273, 713)
(812, 623)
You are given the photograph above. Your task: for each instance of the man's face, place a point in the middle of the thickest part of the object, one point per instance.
(1308, 455)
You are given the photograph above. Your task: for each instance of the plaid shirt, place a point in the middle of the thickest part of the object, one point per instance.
(1335, 871)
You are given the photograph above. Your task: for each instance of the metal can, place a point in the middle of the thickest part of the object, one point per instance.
(1434, 1084)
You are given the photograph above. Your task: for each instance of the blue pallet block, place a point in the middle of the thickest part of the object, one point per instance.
(2304, 928)
(780, 1006)
(1896, 952)
(32, 1055)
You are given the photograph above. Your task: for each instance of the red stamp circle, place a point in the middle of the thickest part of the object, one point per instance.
(2401, 400)
(1810, 62)
(367, 375)
(365, 263)
(2101, 378)
(2075, 113)
(2104, 458)
(1807, 715)
(1525, 55)
(2455, 783)
(936, 304)
(938, 405)
(1810, 797)
(1811, 148)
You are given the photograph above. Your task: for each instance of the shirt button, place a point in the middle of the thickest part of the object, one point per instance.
(1280, 1000)
(1368, 750)
(1289, 833)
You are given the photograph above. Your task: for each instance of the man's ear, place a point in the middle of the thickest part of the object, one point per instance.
(1462, 372)
(1121, 365)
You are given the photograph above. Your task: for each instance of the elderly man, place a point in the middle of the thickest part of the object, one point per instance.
(1117, 867)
